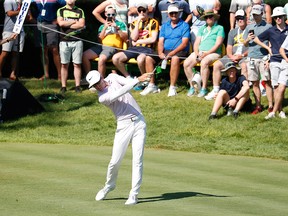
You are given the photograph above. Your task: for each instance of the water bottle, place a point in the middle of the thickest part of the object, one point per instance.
(164, 64)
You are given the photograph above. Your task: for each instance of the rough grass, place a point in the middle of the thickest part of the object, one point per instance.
(178, 123)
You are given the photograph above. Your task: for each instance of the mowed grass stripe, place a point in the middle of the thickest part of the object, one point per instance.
(63, 179)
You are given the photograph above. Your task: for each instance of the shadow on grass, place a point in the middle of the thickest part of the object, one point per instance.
(172, 196)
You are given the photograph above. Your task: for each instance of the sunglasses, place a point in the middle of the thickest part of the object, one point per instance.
(209, 17)
(111, 15)
(173, 13)
(240, 18)
(141, 10)
(278, 17)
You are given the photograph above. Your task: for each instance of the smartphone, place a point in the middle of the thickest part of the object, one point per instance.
(251, 31)
(109, 19)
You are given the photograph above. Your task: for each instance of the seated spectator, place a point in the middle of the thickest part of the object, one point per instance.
(182, 5)
(257, 67)
(266, 12)
(233, 94)
(207, 49)
(121, 7)
(286, 11)
(234, 6)
(214, 5)
(143, 33)
(112, 34)
(173, 43)
(133, 12)
(236, 51)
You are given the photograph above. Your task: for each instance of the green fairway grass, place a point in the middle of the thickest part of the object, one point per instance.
(49, 179)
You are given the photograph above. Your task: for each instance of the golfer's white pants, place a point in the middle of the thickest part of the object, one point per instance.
(134, 131)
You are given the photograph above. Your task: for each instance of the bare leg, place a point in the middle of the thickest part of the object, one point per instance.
(119, 60)
(77, 74)
(174, 70)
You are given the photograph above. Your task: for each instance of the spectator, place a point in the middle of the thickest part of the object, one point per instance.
(112, 34)
(11, 9)
(8, 39)
(286, 11)
(133, 9)
(207, 49)
(266, 11)
(143, 33)
(276, 36)
(173, 43)
(214, 5)
(45, 33)
(283, 79)
(237, 5)
(256, 66)
(233, 94)
(183, 7)
(71, 19)
(236, 52)
(121, 7)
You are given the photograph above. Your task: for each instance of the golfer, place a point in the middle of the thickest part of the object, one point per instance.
(113, 91)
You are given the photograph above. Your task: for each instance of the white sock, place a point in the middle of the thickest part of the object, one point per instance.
(216, 88)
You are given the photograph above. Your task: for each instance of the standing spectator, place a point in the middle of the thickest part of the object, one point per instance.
(46, 15)
(236, 53)
(283, 79)
(121, 7)
(133, 11)
(214, 5)
(173, 43)
(143, 33)
(276, 36)
(207, 49)
(113, 91)
(237, 5)
(286, 11)
(266, 11)
(182, 5)
(233, 94)
(71, 19)
(256, 66)
(11, 9)
(112, 34)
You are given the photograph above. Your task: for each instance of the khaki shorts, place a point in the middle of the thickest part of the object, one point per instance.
(257, 70)
(71, 48)
(279, 73)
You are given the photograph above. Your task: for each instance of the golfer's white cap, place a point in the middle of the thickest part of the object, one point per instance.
(93, 77)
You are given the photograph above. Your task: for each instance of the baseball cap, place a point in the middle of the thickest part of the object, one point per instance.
(257, 9)
(240, 13)
(142, 4)
(278, 11)
(93, 77)
(173, 8)
(230, 65)
(109, 7)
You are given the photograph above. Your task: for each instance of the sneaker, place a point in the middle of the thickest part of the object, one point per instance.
(78, 89)
(257, 110)
(191, 92)
(282, 115)
(270, 116)
(202, 93)
(103, 193)
(63, 90)
(229, 111)
(270, 109)
(132, 200)
(138, 88)
(172, 91)
(150, 89)
(211, 95)
(211, 117)
(235, 115)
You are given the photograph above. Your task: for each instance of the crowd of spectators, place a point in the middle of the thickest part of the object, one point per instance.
(186, 34)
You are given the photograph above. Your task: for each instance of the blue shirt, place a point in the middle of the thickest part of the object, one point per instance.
(173, 36)
(47, 9)
(276, 38)
(232, 88)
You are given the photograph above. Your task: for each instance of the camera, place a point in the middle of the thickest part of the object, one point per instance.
(109, 19)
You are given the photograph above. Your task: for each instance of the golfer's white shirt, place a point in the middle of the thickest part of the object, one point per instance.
(118, 98)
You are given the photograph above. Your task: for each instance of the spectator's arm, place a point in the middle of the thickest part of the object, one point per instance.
(268, 13)
(63, 23)
(78, 24)
(149, 40)
(218, 43)
(283, 54)
(100, 9)
(260, 43)
(161, 48)
(232, 20)
(188, 18)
